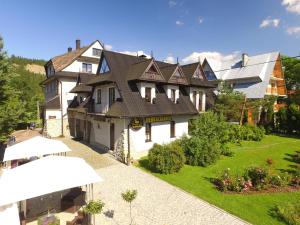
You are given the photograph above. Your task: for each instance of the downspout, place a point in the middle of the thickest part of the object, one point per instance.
(61, 110)
(128, 143)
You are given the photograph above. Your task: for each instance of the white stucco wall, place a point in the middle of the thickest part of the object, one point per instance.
(200, 94)
(76, 66)
(52, 112)
(67, 86)
(160, 134)
(168, 89)
(103, 107)
(100, 132)
(142, 85)
(89, 51)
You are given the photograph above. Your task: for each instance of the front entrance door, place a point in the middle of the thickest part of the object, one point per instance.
(112, 136)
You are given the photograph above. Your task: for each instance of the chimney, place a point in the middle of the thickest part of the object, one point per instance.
(245, 58)
(69, 49)
(77, 44)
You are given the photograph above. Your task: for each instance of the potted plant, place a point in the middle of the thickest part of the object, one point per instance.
(92, 208)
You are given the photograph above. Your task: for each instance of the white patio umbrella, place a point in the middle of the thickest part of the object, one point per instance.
(43, 176)
(9, 215)
(36, 146)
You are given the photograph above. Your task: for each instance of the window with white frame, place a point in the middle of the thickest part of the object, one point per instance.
(111, 96)
(173, 95)
(98, 96)
(172, 129)
(148, 132)
(148, 94)
(96, 52)
(86, 67)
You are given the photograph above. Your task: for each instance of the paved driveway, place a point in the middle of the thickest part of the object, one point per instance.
(157, 202)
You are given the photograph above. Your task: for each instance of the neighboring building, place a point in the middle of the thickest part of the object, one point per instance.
(134, 102)
(255, 76)
(62, 75)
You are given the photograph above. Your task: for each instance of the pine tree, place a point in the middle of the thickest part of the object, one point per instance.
(11, 108)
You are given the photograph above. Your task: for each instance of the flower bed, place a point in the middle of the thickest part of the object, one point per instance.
(257, 179)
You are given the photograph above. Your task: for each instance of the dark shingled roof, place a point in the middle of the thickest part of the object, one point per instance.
(81, 86)
(53, 103)
(189, 71)
(131, 103)
(62, 61)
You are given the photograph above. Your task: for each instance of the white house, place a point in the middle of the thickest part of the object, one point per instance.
(134, 102)
(62, 75)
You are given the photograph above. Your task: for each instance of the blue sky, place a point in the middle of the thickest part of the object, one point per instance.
(185, 29)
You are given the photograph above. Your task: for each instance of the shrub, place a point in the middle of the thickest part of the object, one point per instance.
(227, 152)
(166, 158)
(252, 133)
(201, 151)
(236, 133)
(289, 213)
(209, 136)
(258, 176)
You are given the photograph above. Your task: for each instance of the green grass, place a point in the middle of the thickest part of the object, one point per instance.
(254, 208)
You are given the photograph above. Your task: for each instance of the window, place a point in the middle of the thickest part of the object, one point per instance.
(104, 66)
(209, 75)
(195, 98)
(172, 129)
(148, 132)
(99, 96)
(86, 67)
(96, 52)
(173, 98)
(148, 94)
(111, 95)
(200, 101)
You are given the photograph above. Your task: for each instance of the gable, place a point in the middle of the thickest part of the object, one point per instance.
(208, 72)
(198, 74)
(152, 73)
(178, 77)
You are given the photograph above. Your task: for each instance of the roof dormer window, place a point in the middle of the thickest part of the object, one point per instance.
(173, 95)
(104, 66)
(96, 52)
(148, 96)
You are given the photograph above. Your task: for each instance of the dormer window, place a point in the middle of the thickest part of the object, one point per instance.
(148, 94)
(86, 67)
(173, 95)
(96, 52)
(104, 66)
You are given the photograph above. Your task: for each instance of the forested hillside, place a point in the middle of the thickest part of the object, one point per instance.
(20, 92)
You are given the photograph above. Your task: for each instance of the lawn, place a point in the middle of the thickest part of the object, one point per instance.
(254, 208)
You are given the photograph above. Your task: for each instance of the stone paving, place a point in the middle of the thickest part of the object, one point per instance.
(157, 202)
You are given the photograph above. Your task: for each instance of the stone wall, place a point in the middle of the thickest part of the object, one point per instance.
(53, 127)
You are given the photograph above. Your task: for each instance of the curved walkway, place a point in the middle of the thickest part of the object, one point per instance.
(157, 202)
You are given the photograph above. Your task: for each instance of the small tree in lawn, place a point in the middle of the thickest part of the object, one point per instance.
(129, 196)
(93, 208)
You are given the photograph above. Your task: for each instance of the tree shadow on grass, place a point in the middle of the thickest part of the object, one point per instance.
(273, 212)
(294, 158)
